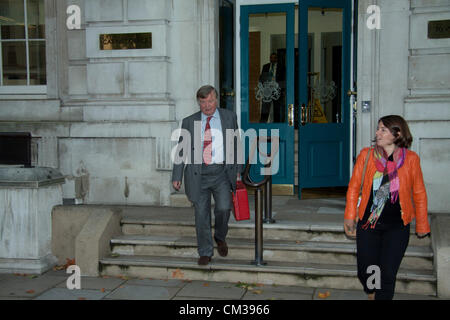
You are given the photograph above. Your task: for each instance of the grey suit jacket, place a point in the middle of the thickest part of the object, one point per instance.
(191, 165)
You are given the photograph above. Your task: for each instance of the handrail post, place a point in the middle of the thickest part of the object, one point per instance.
(259, 261)
(268, 202)
(258, 228)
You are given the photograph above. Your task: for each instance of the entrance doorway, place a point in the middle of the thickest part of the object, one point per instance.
(295, 74)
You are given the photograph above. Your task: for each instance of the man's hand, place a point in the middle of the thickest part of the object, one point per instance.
(176, 185)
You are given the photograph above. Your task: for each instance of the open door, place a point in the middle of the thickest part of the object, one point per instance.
(324, 129)
(267, 85)
(226, 54)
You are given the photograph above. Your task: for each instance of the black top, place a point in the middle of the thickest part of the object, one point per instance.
(391, 214)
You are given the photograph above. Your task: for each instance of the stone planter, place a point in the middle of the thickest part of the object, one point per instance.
(27, 196)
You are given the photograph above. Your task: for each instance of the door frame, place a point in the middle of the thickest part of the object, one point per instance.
(285, 175)
(344, 175)
(352, 65)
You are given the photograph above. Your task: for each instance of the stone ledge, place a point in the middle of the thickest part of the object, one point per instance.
(440, 238)
(92, 243)
(29, 177)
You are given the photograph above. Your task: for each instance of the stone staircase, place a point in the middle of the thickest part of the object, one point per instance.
(303, 248)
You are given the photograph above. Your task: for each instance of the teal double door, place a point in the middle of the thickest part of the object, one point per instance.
(295, 75)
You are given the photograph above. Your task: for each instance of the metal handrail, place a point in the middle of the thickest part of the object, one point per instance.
(265, 183)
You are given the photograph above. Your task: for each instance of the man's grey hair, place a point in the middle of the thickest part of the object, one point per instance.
(204, 91)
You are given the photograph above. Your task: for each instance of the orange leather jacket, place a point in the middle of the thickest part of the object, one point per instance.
(412, 193)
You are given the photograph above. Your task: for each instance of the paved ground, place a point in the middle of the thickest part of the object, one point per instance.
(52, 285)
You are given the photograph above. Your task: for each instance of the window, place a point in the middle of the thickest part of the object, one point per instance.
(22, 46)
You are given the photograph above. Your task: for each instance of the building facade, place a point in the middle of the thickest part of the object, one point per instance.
(102, 84)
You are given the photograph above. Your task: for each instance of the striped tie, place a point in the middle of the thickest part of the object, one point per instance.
(207, 143)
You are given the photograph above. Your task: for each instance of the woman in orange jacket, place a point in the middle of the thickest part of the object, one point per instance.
(393, 193)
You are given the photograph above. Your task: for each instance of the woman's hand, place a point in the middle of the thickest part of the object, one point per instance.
(421, 235)
(350, 228)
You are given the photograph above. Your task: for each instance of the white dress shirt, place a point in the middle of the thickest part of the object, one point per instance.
(217, 136)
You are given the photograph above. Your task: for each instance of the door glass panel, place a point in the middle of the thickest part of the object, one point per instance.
(267, 67)
(325, 66)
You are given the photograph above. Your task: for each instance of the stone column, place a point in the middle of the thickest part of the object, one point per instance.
(27, 196)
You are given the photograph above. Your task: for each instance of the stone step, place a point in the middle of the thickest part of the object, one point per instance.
(307, 230)
(416, 257)
(278, 273)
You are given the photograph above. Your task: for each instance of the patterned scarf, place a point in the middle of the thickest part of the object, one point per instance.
(388, 190)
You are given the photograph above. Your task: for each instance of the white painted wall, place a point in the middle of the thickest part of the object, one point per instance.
(402, 72)
(108, 124)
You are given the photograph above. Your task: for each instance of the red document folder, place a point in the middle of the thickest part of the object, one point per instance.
(240, 202)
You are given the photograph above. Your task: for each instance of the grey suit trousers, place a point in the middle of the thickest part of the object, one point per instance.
(215, 182)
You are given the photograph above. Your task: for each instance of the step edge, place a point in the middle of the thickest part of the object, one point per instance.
(320, 269)
(326, 246)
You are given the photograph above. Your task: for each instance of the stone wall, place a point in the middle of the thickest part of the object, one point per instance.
(403, 72)
(108, 116)
(427, 106)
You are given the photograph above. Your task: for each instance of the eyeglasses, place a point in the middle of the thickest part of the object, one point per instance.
(204, 102)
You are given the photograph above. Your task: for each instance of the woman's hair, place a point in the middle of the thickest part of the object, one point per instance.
(399, 129)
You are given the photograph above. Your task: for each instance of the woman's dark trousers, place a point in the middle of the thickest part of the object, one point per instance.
(384, 246)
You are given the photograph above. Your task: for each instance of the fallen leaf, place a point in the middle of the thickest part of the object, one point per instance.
(102, 289)
(257, 291)
(324, 295)
(81, 298)
(69, 262)
(244, 285)
(30, 291)
(206, 284)
(178, 274)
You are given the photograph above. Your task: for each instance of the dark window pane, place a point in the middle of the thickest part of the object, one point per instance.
(12, 19)
(37, 63)
(36, 19)
(14, 63)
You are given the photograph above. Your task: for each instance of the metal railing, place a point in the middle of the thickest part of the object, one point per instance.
(262, 187)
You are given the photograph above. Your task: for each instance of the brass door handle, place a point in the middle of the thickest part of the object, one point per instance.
(291, 115)
(352, 93)
(303, 114)
(228, 94)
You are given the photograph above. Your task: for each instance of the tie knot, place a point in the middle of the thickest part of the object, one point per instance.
(209, 119)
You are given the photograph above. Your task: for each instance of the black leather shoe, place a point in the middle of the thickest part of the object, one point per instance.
(222, 247)
(204, 260)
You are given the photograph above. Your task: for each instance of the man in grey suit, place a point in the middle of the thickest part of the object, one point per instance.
(208, 169)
